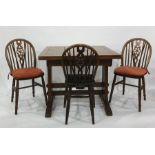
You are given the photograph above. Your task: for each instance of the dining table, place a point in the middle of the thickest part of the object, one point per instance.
(53, 57)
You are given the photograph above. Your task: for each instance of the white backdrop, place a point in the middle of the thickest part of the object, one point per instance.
(34, 109)
(111, 36)
(96, 14)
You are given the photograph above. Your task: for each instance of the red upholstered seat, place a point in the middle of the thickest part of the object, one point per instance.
(24, 73)
(130, 71)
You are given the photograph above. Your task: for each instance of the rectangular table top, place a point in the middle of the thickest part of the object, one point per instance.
(55, 53)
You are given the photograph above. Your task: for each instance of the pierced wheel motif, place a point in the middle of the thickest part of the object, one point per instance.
(20, 52)
(136, 52)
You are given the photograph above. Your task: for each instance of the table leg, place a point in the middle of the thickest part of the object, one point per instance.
(104, 96)
(49, 94)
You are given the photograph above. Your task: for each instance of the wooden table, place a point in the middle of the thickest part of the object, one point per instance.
(52, 55)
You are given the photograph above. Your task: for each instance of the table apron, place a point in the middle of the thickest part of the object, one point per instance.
(102, 62)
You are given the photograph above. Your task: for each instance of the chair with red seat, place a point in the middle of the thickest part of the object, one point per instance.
(21, 58)
(136, 55)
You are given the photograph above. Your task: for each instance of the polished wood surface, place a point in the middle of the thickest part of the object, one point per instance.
(55, 53)
(53, 57)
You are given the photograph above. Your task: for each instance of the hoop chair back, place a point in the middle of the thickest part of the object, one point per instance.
(136, 53)
(80, 61)
(20, 53)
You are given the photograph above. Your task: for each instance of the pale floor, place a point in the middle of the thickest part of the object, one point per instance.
(125, 110)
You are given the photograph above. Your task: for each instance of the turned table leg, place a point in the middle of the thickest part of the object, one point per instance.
(104, 96)
(49, 94)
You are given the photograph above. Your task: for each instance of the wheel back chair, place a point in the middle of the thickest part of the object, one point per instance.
(136, 55)
(79, 65)
(21, 58)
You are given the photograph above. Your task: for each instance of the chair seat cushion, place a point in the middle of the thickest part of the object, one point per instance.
(25, 73)
(130, 71)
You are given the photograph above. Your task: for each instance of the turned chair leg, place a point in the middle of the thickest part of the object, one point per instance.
(17, 96)
(44, 89)
(91, 96)
(13, 89)
(144, 90)
(139, 94)
(112, 88)
(124, 80)
(68, 105)
(33, 87)
(65, 96)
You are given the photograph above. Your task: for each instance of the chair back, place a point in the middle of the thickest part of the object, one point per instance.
(136, 53)
(80, 60)
(20, 53)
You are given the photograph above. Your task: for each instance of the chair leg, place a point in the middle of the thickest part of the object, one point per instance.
(144, 90)
(124, 80)
(68, 105)
(44, 89)
(17, 96)
(139, 94)
(112, 88)
(33, 87)
(65, 96)
(91, 96)
(13, 89)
